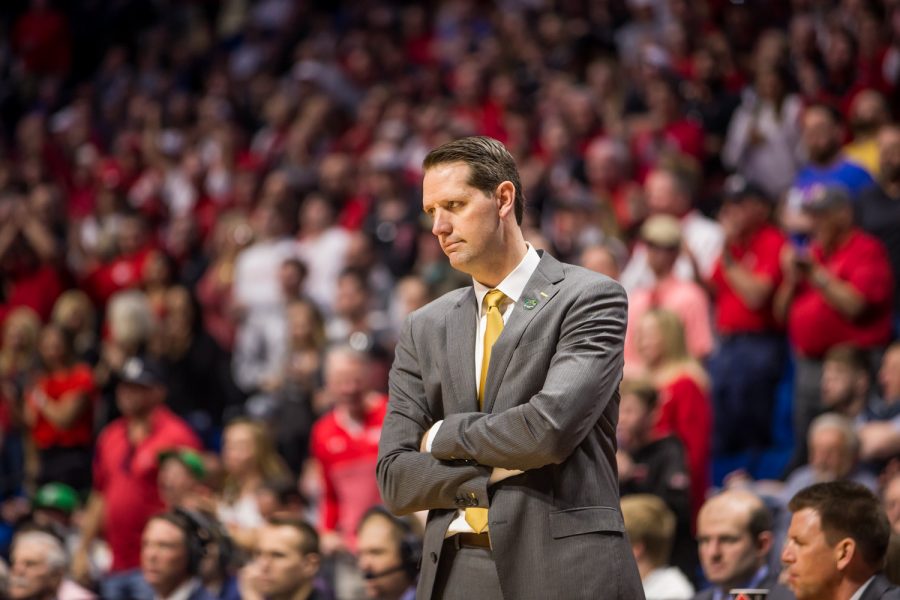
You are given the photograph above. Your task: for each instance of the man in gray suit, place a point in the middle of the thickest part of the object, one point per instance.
(503, 404)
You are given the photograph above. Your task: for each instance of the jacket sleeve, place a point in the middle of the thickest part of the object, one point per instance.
(410, 480)
(583, 376)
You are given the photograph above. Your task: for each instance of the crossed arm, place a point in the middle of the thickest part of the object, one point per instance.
(583, 376)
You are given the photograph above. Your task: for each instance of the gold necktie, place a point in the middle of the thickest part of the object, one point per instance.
(477, 518)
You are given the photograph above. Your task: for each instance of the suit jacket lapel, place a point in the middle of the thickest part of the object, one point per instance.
(541, 287)
(461, 327)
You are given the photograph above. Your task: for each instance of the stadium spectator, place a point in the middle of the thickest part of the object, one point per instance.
(172, 547)
(734, 535)
(650, 526)
(59, 412)
(838, 291)
(38, 569)
(763, 140)
(286, 562)
(868, 114)
(345, 446)
(125, 493)
(182, 480)
(879, 206)
(661, 235)
(249, 460)
(837, 543)
(670, 191)
(388, 552)
(683, 386)
(749, 360)
(74, 314)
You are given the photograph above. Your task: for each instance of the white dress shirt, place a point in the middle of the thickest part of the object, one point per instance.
(512, 286)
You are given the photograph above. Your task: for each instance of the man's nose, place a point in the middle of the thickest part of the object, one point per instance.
(440, 225)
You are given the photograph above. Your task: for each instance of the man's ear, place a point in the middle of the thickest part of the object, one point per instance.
(764, 543)
(505, 195)
(844, 552)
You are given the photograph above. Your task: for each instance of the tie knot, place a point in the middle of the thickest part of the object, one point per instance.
(494, 298)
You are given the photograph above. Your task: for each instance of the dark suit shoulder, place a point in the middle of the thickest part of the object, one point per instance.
(585, 278)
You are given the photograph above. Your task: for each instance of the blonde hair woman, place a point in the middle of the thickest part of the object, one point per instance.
(683, 386)
(74, 314)
(250, 460)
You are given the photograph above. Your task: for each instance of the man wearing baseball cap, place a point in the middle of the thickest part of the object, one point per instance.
(839, 290)
(748, 363)
(126, 465)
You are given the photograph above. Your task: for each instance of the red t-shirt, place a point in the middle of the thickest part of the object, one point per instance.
(125, 475)
(814, 326)
(122, 273)
(686, 413)
(36, 288)
(347, 453)
(54, 386)
(761, 256)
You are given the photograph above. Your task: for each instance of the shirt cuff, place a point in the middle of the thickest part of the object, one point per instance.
(429, 437)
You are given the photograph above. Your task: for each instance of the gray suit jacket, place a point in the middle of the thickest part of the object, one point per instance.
(550, 409)
(881, 589)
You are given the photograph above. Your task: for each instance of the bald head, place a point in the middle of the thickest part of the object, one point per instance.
(734, 535)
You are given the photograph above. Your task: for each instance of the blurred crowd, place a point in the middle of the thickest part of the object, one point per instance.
(211, 233)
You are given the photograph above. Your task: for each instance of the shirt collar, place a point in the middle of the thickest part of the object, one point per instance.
(184, 591)
(862, 589)
(513, 284)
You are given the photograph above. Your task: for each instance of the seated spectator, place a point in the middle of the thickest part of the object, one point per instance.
(837, 543)
(833, 456)
(218, 567)
(249, 459)
(652, 464)
(839, 290)
(878, 209)
(607, 168)
(38, 569)
(354, 322)
(670, 191)
(650, 527)
(683, 386)
(59, 412)
(890, 497)
(182, 474)
(879, 436)
(172, 547)
(661, 235)
(748, 363)
(734, 535)
(285, 563)
(388, 552)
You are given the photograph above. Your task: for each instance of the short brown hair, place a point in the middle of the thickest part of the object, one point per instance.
(848, 509)
(490, 164)
(850, 356)
(309, 538)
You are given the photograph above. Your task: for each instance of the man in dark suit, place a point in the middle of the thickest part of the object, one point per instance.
(504, 402)
(837, 543)
(734, 537)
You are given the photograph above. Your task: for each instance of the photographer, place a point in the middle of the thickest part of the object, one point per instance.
(836, 290)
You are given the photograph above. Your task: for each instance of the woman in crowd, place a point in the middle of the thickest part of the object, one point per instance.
(59, 412)
(683, 386)
(250, 460)
(75, 315)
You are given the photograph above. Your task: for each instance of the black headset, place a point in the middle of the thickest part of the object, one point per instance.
(197, 534)
(410, 544)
